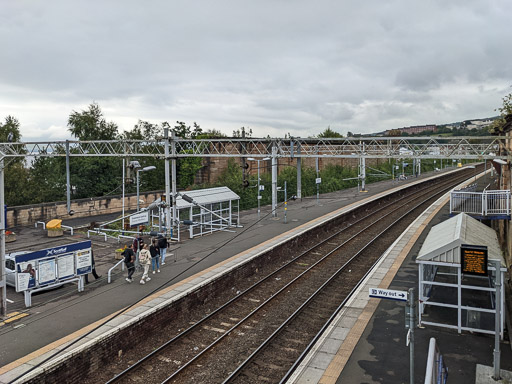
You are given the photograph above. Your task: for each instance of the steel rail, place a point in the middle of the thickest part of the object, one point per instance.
(264, 279)
(260, 282)
(276, 294)
(132, 368)
(286, 323)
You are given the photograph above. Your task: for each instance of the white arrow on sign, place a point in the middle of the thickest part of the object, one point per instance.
(388, 294)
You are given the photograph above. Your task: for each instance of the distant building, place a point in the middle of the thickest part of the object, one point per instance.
(478, 124)
(415, 129)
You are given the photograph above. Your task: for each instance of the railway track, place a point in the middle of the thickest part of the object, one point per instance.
(259, 334)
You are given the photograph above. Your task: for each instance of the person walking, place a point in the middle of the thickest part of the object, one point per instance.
(155, 256)
(129, 260)
(162, 244)
(138, 244)
(145, 261)
(94, 273)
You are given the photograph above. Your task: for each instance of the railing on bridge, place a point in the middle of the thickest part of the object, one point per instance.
(487, 203)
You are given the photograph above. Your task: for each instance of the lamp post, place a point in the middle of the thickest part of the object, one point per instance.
(145, 169)
(259, 197)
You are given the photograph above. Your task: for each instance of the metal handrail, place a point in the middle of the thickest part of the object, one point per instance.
(68, 228)
(436, 372)
(111, 269)
(40, 222)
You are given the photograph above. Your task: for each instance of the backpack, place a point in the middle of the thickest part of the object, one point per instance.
(162, 243)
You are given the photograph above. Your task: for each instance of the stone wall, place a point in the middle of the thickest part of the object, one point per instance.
(30, 214)
(208, 174)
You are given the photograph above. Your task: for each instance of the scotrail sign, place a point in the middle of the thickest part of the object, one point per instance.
(388, 294)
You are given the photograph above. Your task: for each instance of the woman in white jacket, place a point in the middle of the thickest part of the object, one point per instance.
(145, 261)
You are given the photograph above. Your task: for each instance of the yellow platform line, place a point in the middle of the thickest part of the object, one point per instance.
(13, 316)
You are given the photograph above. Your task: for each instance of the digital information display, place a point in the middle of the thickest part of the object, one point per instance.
(473, 259)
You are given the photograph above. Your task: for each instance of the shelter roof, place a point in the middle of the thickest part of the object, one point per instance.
(444, 240)
(207, 196)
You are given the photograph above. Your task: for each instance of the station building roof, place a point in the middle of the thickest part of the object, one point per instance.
(207, 196)
(444, 240)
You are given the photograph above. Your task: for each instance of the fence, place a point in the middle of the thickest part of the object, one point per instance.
(486, 203)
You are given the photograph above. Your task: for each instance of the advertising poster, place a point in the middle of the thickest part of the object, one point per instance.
(26, 276)
(23, 282)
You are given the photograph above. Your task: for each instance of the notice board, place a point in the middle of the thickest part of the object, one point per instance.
(473, 259)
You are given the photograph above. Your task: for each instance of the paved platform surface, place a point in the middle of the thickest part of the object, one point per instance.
(370, 362)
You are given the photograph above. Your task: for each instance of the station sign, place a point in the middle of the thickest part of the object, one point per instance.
(388, 294)
(139, 218)
(473, 259)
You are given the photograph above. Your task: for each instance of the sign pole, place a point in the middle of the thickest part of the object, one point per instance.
(411, 317)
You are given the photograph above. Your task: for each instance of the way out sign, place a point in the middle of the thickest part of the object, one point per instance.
(388, 294)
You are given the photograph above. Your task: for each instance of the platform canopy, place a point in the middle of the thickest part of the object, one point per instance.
(444, 240)
(207, 196)
(460, 299)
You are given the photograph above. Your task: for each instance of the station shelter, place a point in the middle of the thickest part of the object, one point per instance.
(213, 209)
(457, 276)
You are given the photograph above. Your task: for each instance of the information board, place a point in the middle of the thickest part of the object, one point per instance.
(83, 262)
(47, 273)
(52, 265)
(65, 266)
(473, 259)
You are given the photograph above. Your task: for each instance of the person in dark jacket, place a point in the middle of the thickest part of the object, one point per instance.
(162, 244)
(129, 260)
(155, 255)
(96, 276)
(138, 245)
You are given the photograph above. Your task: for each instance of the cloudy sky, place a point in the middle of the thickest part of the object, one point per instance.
(275, 66)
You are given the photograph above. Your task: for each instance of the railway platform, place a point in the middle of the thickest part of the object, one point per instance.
(367, 345)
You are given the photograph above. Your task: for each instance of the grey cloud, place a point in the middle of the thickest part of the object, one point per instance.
(273, 65)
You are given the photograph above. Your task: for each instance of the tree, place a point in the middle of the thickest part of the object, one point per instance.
(243, 132)
(17, 188)
(91, 125)
(94, 176)
(329, 133)
(504, 122)
(10, 130)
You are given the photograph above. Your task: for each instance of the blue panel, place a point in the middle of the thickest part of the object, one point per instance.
(52, 251)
